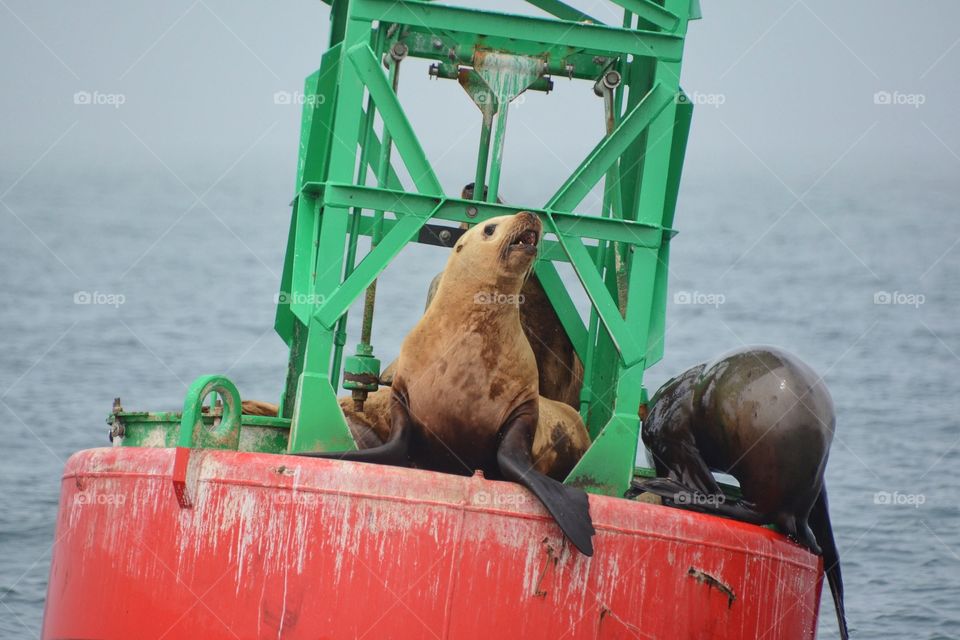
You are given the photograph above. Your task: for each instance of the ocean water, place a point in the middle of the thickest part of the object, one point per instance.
(861, 279)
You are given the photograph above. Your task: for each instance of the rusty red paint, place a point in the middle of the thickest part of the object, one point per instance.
(281, 546)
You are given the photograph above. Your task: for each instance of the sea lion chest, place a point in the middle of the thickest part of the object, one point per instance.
(462, 380)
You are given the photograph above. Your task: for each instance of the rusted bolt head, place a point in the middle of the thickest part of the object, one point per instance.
(399, 51)
(471, 211)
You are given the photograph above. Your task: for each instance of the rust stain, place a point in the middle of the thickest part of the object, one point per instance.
(539, 591)
(710, 581)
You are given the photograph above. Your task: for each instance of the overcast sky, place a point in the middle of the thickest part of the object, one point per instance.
(796, 82)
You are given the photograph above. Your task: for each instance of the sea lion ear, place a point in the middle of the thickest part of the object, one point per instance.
(460, 247)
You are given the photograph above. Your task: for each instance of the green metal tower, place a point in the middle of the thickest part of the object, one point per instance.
(634, 66)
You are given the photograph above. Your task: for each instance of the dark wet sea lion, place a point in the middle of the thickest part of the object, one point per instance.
(465, 392)
(764, 417)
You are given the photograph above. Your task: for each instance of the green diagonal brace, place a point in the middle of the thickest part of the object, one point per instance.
(602, 157)
(404, 138)
(563, 11)
(454, 209)
(653, 13)
(586, 270)
(592, 37)
(369, 268)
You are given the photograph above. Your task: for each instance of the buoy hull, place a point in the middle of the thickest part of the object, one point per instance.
(276, 546)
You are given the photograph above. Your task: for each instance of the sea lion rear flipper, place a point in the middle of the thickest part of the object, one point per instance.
(569, 506)
(394, 452)
(823, 531)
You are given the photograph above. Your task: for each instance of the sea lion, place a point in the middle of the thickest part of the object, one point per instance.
(559, 369)
(764, 417)
(560, 439)
(465, 392)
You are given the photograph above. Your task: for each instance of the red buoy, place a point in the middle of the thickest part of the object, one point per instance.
(277, 546)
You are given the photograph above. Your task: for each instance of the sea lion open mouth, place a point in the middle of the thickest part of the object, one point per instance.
(526, 240)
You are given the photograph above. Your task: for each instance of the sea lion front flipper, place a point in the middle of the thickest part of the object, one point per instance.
(569, 506)
(394, 452)
(684, 497)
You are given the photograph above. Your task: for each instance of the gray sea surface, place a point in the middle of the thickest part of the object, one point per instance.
(862, 281)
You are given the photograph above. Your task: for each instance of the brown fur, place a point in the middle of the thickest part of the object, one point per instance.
(560, 440)
(467, 364)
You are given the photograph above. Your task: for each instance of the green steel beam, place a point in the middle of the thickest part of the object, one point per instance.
(563, 11)
(652, 13)
(603, 302)
(369, 268)
(597, 38)
(367, 67)
(550, 250)
(605, 154)
(455, 209)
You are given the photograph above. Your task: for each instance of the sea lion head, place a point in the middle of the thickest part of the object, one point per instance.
(501, 250)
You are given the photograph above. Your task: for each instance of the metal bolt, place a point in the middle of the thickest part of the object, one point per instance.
(445, 236)
(471, 211)
(599, 60)
(437, 43)
(399, 51)
(611, 79)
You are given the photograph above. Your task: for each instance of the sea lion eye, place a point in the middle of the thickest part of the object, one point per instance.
(489, 229)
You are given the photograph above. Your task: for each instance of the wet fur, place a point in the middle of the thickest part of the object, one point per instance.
(764, 417)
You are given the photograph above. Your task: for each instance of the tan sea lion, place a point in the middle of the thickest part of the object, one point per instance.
(559, 369)
(766, 418)
(465, 393)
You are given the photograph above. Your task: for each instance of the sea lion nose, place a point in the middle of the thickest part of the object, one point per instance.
(531, 219)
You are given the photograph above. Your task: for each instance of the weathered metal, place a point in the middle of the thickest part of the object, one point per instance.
(287, 547)
(496, 57)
